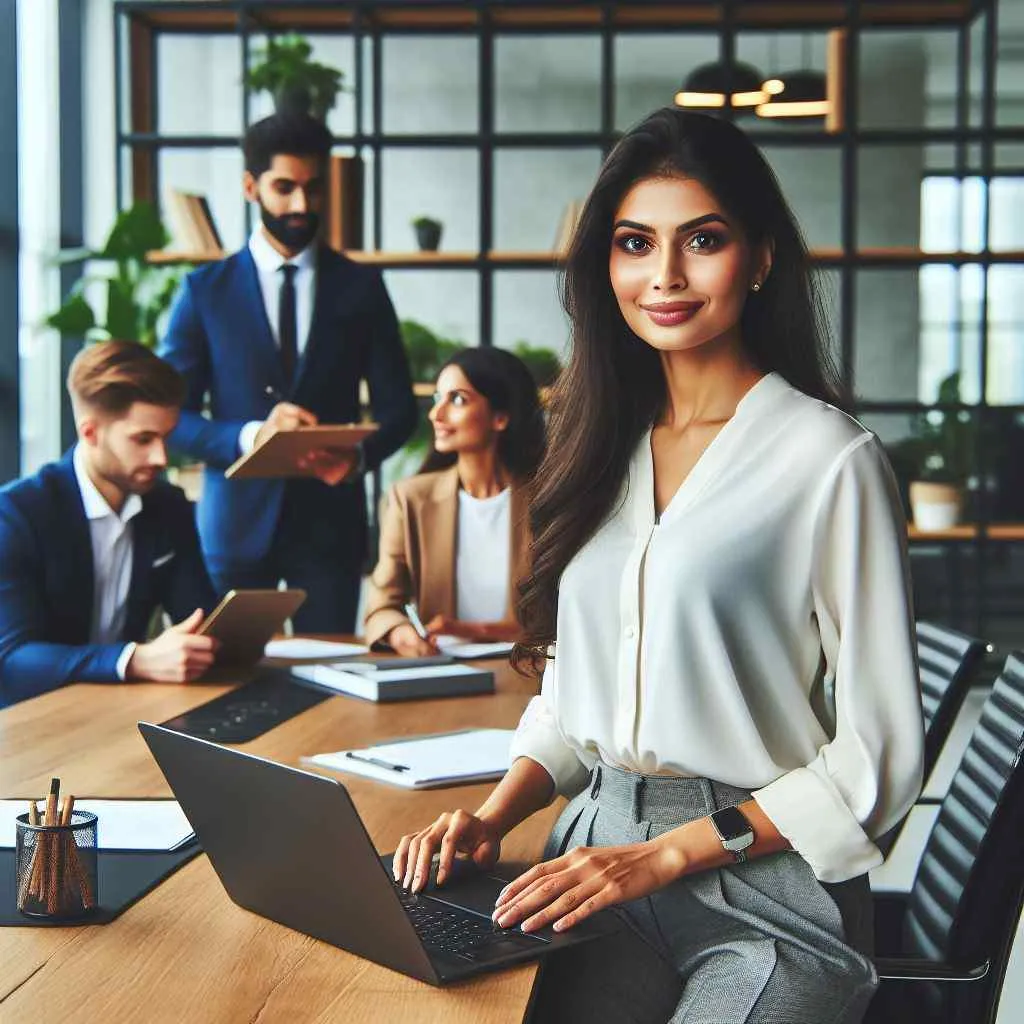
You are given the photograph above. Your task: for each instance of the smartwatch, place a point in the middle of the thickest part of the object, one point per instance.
(734, 830)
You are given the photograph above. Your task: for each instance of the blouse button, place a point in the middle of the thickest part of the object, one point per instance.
(630, 632)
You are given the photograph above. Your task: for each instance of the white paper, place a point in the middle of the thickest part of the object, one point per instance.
(121, 824)
(458, 647)
(471, 754)
(301, 647)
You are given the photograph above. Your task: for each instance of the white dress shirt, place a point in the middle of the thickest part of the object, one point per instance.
(482, 553)
(760, 634)
(112, 550)
(268, 270)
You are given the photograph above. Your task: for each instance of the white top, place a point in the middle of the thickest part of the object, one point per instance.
(268, 270)
(482, 554)
(760, 635)
(112, 551)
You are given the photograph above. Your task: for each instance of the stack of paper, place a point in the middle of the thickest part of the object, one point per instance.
(120, 824)
(457, 647)
(383, 684)
(421, 762)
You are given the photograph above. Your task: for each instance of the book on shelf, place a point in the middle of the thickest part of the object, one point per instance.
(567, 226)
(345, 203)
(192, 225)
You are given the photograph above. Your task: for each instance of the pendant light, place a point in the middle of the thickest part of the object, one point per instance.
(707, 87)
(801, 93)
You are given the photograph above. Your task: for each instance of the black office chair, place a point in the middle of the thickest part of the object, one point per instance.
(947, 661)
(943, 951)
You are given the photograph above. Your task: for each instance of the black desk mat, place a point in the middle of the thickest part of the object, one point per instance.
(271, 698)
(122, 878)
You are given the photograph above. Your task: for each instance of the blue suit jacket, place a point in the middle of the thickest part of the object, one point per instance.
(46, 580)
(218, 337)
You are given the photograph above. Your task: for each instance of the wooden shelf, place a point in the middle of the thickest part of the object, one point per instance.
(896, 256)
(325, 17)
(969, 531)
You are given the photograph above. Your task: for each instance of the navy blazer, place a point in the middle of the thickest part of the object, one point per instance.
(218, 337)
(46, 580)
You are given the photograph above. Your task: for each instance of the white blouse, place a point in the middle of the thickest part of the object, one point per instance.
(762, 634)
(482, 555)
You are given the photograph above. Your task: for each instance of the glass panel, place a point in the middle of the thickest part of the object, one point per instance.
(950, 324)
(336, 51)
(885, 354)
(446, 302)
(650, 69)
(1006, 218)
(192, 69)
(1010, 157)
(1005, 378)
(215, 174)
(547, 83)
(940, 158)
(438, 183)
(811, 181)
(430, 84)
(907, 79)
(888, 196)
(532, 191)
(976, 71)
(527, 309)
(952, 214)
(1009, 66)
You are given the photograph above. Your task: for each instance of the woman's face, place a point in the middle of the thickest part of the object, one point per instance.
(462, 418)
(680, 268)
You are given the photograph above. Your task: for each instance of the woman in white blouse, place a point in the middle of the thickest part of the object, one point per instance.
(454, 538)
(720, 592)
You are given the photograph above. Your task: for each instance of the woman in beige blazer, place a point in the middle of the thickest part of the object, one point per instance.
(455, 537)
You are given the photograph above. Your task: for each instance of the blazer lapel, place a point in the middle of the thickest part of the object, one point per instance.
(439, 523)
(75, 538)
(251, 313)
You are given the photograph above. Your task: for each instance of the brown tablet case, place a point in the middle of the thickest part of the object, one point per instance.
(279, 455)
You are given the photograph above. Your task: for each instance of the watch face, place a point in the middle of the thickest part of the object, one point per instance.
(731, 823)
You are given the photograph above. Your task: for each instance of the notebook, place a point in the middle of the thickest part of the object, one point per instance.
(423, 762)
(459, 648)
(120, 824)
(382, 684)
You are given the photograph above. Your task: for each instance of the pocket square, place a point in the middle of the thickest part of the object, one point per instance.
(163, 559)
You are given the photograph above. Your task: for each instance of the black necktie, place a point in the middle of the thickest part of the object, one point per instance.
(287, 331)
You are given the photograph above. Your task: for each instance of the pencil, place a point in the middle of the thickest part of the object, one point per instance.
(66, 809)
(33, 813)
(51, 803)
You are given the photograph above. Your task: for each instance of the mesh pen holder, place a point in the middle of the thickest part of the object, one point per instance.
(56, 866)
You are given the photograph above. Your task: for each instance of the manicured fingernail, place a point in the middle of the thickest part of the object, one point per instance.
(558, 926)
(441, 876)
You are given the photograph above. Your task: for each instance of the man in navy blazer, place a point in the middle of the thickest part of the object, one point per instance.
(277, 336)
(91, 545)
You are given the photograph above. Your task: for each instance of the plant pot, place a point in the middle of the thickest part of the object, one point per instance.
(935, 506)
(299, 100)
(428, 236)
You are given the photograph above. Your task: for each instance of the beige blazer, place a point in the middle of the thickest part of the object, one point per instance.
(417, 551)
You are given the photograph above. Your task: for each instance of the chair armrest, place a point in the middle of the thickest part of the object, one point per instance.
(913, 969)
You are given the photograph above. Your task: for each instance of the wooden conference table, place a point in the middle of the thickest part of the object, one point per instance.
(185, 952)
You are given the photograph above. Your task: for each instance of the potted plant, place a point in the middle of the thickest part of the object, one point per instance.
(428, 233)
(137, 293)
(941, 449)
(543, 364)
(298, 84)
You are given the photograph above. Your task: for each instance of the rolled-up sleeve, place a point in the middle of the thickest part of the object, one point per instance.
(866, 779)
(539, 738)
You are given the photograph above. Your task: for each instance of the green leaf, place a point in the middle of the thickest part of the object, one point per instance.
(136, 231)
(74, 318)
(123, 314)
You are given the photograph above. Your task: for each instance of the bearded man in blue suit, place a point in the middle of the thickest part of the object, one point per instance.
(276, 336)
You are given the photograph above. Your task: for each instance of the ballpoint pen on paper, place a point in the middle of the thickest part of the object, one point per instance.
(378, 761)
(413, 616)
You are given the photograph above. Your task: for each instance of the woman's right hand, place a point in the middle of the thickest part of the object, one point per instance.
(458, 832)
(406, 641)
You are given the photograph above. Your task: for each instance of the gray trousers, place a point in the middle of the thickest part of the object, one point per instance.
(762, 942)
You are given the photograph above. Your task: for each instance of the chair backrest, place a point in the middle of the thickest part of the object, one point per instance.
(966, 895)
(947, 663)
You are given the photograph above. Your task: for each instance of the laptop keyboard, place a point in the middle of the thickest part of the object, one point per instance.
(460, 934)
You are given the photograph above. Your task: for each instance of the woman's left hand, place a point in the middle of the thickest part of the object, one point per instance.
(564, 891)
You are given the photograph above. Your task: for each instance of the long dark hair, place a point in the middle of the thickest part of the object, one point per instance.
(613, 388)
(504, 380)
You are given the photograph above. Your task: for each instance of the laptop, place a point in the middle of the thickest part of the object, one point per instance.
(289, 845)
